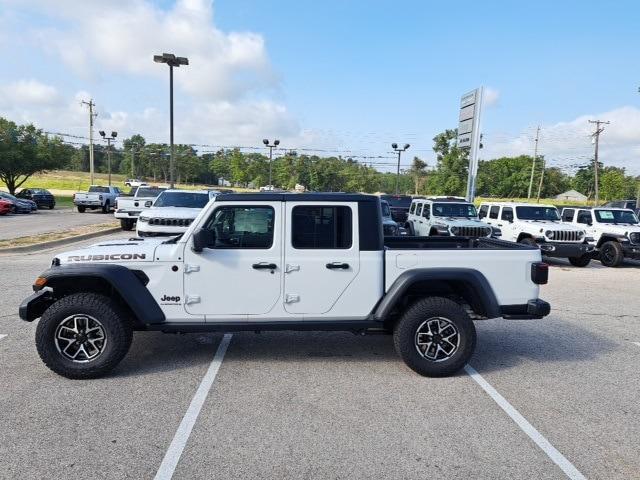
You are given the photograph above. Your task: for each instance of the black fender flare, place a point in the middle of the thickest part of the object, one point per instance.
(611, 237)
(125, 282)
(475, 280)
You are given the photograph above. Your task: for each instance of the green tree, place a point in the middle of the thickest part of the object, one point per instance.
(450, 175)
(418, 172)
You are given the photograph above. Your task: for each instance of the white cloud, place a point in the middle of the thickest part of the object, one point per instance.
(28, 92)
(567, 144)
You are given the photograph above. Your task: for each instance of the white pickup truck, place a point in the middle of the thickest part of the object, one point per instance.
(97, 197)
(128, 207)
(280, 261)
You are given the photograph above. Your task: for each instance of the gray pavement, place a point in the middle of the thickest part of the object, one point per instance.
(45, 221)
(335, 405)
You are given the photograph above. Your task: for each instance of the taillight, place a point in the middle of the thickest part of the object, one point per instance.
(539, 273)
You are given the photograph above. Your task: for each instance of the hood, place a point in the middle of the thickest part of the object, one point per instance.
(460, 222)
(171, 212)
(620, 228)
(536, 225)
(116, 251)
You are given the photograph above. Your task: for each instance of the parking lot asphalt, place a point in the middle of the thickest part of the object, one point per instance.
(45, 221)
(336, 405)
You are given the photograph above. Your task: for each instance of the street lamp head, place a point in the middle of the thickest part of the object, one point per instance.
(394, 145)
(182, 61)
(101, 132)
(406, 145)
(276, 142)
(158, 59)
(171, 60)
(114, 134)
(265, 141)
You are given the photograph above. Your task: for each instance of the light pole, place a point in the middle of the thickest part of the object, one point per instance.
(173, 61)
(399, 151)
(109, 139)
(270, 147)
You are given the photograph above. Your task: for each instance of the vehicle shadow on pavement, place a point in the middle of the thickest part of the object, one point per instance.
(503, 344)
(595, 264)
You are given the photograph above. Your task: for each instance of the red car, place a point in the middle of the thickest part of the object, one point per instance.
(5, 207)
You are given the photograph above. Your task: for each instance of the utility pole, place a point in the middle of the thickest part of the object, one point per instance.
(108, 140)
(541, 178)
(91, 117)
(533, 165)
(596, 137)
(399, 152)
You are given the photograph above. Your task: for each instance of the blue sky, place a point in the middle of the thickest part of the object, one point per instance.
(334, 74)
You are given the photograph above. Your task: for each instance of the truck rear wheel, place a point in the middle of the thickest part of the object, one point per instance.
(81, 209)
(582, 261)
(127, 224)
(106, 208)
(83, 335)
(435, 337)
(611, 254)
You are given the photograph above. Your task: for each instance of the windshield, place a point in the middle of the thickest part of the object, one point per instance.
(39, 191)
(397, 201)
(148, 192)
(182, 199)
(95, 189)
(465, 210)
(537, 213)
(616, 216)
(386, 211)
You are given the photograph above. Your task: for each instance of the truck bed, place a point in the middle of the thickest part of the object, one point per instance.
(494, 259)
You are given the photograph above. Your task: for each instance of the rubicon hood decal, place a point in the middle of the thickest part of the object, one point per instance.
(108, 257)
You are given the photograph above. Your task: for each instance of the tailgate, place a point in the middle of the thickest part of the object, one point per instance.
(507, 271)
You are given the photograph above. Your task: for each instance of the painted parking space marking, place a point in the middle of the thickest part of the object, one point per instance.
(172, 457)
(2, 335)
(636, 343)
(560, 460)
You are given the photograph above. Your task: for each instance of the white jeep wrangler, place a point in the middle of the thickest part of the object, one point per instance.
(448, 216)
(615, 232)
(538, 224)
(279, 261)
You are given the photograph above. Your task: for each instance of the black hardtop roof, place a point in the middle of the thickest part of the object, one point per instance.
(296, 197)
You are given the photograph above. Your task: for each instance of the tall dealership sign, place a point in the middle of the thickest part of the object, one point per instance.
(469, 134)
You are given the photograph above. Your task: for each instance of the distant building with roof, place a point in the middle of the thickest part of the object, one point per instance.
(572, 196)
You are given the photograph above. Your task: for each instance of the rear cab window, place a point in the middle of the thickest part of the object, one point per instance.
(321, 227)
(493, 212)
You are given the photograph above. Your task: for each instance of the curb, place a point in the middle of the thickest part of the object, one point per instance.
(56, 243)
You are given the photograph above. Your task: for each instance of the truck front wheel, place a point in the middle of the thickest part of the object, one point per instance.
(435, 337)
(83, 335)
(611, 254)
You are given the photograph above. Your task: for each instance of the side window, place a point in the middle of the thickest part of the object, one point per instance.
(584, 216)
(493, 213)
(242, 227)
(426, 212)
(419, 209)
(507, 214)
(567, 215)
(483, 211)
(413, 208)
(321, 227)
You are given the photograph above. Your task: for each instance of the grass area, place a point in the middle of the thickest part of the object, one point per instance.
(51, 236)
(64, 201)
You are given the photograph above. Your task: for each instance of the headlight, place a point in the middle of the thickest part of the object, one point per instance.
(143, 219)
(549, 233)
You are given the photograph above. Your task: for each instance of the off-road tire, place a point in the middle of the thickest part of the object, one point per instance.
(611, 254)
(582, 261)
(528, 241)
(406, 330)
(127, 224)
(81, 209)
(106, 208)
(117, 330)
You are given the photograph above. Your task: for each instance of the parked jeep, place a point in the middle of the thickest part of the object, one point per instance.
(615, 232)
(538, 224)
(448, 216)
(280, 261)
(390, 227)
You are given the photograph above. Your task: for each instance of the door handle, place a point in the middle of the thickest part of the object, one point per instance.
(264, 266)
(337, 265)
(499, 224)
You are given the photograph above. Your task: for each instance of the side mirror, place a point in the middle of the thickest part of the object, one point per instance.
(202, 239)
(148, 203)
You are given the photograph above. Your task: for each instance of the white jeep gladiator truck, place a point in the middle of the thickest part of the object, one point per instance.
(539, 224)
(96, 197)
(128, 207)
(615, 232)
(448, 216)
(281, 261)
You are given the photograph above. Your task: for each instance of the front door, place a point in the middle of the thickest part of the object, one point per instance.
(242, 274)
(321, 256)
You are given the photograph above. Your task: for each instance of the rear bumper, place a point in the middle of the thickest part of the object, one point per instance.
(124, 213)
(88, 203)
(533, 309)
(566, 250)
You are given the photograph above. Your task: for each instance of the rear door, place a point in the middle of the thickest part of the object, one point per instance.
(321, 255)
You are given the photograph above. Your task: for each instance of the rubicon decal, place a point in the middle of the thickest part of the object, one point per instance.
(113, 256)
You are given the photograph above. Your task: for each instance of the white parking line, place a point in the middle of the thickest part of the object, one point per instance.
(171, 458)
(2, 335)
(636, 343)
(567, 467)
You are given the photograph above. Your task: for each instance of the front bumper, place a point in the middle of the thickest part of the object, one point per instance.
(533, 309)
(631, 251)
(34, 305)
(565, 249)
